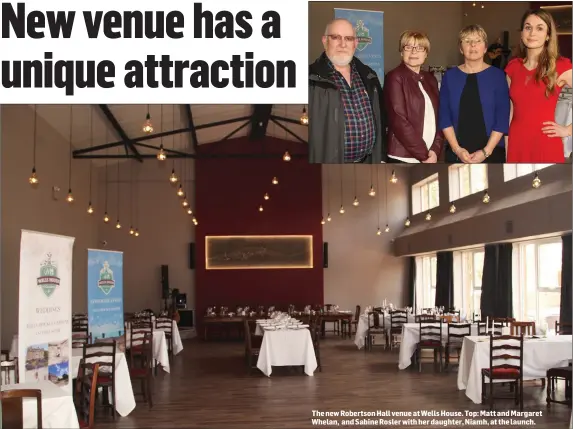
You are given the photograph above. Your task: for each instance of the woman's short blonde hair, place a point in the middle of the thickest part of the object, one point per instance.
(472, 29)
(418, 37)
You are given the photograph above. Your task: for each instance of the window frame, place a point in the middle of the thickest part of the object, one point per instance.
(417, 191)
(455, 180)
(514, 168)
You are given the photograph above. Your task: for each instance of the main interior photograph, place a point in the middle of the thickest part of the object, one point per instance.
(184, 266)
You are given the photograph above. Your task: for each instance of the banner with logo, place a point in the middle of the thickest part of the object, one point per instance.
(105, 295)
(369, 26)
(45, 309)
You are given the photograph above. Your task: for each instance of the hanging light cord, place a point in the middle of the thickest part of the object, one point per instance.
(131, 194)
(91, 145)
(70, 166)
(172, 128)
(355, 181)
(378, 186)
(341, 185)
(106, 170)
(118, 151)
(327, 190)
(35, 133)
(386, 192)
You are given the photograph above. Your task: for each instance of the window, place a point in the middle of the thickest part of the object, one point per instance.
(513, 171)
(468, 271)
(425, 296)
(467, 179)
(426, 194)
(537, 281)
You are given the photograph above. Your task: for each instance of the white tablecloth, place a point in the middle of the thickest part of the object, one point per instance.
(287, 348)
(177, 343)
(411, 337)
(124, 397)
(58, 409)
(538, 356)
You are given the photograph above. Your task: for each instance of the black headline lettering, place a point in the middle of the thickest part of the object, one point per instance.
(242, 71)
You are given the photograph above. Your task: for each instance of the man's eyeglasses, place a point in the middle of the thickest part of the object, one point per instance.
(414, 48)
(338, 38)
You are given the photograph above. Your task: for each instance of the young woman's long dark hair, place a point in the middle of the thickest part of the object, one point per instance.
(546, 65)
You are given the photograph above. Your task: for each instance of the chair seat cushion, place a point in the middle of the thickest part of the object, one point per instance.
(430, 343)
(83, 424)
(104, 379)
(501, 373)
(138, 372)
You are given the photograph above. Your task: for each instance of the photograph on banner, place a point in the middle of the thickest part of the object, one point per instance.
(438, 85)
(105, 296)
(45, 308)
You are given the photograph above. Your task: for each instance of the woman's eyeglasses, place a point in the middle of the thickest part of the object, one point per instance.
(472, 42)
(411, 48)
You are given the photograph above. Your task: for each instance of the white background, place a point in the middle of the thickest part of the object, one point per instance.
(293, 45)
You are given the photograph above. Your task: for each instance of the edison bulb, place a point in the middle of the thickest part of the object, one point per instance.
(105, 217)
(33, 178)
(341, 210)
(275, 181)
(372, 191)
(428, 216)
(387, 229)
(452, 208)
(356, 203)
(90, 208)
(536, 181)
(485, 198)
(173, 178)
(328, 217)
(407, 223)
(378, 232)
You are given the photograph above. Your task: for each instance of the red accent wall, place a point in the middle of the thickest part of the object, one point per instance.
(228, 194)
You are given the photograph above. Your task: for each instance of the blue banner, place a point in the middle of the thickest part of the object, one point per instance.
(105, 294)
(369, 27)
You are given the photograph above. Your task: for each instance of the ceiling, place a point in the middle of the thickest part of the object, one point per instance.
(122, 126)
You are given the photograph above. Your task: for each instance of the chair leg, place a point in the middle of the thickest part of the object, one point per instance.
(490, 394)
(483, 387)
(419, 352)
(520, 394)
(549, 385)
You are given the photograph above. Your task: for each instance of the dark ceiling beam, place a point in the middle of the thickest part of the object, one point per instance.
(296, 136)
(289, 120)
(166, 150)
(162, 134)
(197, 156)
(260, 121)
(120, 131)
(191, 126)
(235, 131)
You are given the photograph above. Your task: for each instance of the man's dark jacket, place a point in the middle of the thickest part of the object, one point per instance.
(326, 114)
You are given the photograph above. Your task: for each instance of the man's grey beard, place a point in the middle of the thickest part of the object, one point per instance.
(341, 60)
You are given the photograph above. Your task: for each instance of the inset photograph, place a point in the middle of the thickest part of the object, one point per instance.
(58, 362)
(450, 82)
(36, 363)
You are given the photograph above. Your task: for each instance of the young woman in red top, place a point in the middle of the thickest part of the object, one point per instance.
(535, 81)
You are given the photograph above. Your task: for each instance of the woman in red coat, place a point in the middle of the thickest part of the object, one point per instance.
(535, 81)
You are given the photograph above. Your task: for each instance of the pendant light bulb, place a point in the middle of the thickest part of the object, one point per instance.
(136, 233)
(341, 210)
(322, 222)
(393, 178)
(286, 156)
(536, 181)
(189, 211)
(33, 177)
(328, 217)
(485, 198)
(185, 202)
(195, 221)
(304, 117)
(275, 181)
(261, 208)
(90, 208)
(378, 232)
(356, 203)
(105, 218)
(70, 197)
(161, 156)
(118, 225)
(428, 216)
(452, 208)
(387, 229)
(173, 178)
(180, 192)
(372, 191)
(266, 197)
(147, 125)
(407, 223)
(131, 230)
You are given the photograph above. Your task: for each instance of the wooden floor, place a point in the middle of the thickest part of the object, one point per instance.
(208, 388)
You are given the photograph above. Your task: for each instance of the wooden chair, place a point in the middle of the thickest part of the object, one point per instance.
(86, 390)
(6, 368)
(251, 353)
(165, 324)
(11, 401)
(375, 328)
(456, 314)
(456, 334)
(315, 335)
(553, 375)
(503, 348)
(504, 321)
(522, 328)
(103, 352)
(495, 328)
(347, 325)
(563, 328)
(397, 320)
(423, 317)
(79, 339)
(430, 338)
(141, 362)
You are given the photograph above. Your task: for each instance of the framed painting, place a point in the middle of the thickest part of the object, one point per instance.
(562, 16)
(244, 252)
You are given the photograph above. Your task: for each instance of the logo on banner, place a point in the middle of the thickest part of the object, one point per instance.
(363, 35)
(48, 279)
(106, 282)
